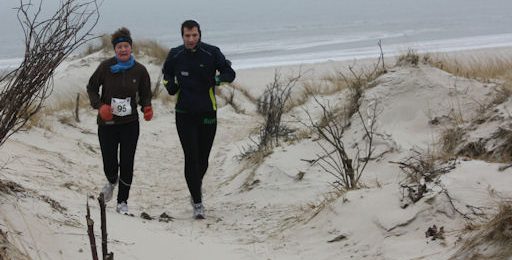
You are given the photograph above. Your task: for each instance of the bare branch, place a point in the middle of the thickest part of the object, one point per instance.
(272, 105)
(47, 43)
(331, 130)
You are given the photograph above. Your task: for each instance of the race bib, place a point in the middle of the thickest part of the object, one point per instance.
(121, 107)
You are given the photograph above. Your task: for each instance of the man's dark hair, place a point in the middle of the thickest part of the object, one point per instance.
(189, 24)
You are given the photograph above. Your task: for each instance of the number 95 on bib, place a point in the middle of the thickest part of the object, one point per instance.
(121, 107)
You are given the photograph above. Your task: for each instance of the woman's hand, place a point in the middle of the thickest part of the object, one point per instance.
(105, 112)
(148, 113)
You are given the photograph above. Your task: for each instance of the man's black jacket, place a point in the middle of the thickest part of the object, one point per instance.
(191, 74)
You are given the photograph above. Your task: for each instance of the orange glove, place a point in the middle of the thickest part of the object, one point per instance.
(105, 112)
(148, 113)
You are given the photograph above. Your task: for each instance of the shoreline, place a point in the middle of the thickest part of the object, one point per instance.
(390, 49)
(463, 53)
(472, 44)
(258, 77)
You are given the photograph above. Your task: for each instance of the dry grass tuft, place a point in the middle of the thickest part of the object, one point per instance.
(314, 208)
(356, 79)
(493, 239)
(337, 83)
(408, 59)
(103, 45)
(495, 70)
(501, 152)
(150, 48)
(254, 153)
(503, 92)
(9, 187)
(8, 251)
(309, 89)
(245, 92)
(450, 139)
(475, 150)
(488, 69)
(483, 69)
(231, 94)
(37, 120)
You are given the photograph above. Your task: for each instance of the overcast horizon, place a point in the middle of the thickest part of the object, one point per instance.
(255, 30)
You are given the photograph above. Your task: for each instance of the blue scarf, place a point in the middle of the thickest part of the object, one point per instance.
(122, 66)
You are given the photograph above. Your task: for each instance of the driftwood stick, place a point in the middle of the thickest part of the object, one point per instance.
(104, 249)
(90, 232)
(77, 108)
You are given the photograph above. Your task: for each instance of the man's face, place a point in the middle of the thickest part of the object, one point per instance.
(190, 37)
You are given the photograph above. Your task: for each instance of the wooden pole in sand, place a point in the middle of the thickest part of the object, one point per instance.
(90, 232)
(106, 255)
(77, 106)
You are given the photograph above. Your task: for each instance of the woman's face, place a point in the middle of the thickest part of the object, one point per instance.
(123, 51)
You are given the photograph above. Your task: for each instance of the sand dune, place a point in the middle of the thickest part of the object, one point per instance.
(253, 211)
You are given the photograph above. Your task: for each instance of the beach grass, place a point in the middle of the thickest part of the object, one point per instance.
(149, 48)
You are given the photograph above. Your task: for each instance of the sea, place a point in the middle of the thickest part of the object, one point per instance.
(266, 33)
